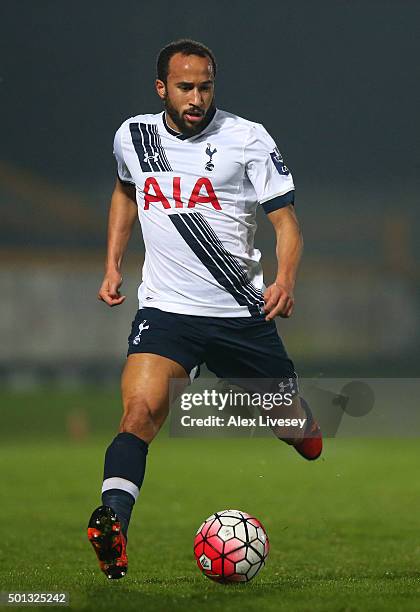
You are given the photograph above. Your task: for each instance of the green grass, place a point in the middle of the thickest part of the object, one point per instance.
(344, 530)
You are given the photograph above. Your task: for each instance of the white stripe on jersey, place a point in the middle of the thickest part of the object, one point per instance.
(235, 285)
(226, 257)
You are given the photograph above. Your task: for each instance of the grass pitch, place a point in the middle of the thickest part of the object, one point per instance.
(344, 530)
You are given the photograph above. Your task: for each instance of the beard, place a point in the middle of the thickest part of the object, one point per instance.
(180, 122)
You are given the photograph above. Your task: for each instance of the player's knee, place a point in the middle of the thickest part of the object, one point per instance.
(138, 416)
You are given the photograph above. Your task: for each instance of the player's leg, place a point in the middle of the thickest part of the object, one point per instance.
(249, 349)
(310, 445)
(161, 347)
(145, 393)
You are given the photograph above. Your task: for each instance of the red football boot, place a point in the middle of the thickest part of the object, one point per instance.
(104, 533)
(310, 447)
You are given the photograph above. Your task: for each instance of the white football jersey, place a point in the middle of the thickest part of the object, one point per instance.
(197, 199)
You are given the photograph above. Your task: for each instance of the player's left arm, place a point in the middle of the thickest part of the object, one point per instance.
(278, 297)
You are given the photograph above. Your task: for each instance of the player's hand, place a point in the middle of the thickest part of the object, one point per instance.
(109, 291)
(279, 301)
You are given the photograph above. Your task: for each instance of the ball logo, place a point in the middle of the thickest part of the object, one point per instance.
(205, 562)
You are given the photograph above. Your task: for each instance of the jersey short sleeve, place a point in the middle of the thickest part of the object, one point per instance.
(122, 170)
(270, 177)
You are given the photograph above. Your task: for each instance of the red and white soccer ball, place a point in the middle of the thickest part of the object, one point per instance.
(231, 546)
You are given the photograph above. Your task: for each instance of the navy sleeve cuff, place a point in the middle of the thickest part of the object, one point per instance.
(279, 202)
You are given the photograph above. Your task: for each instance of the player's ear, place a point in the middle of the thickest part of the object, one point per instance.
(160, 88)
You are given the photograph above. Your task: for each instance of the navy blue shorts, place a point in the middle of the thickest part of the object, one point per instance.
(243, 347)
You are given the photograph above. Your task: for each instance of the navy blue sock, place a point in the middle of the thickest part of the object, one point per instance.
(125, 464)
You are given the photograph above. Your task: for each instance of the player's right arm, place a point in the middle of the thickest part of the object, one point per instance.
(122, 216)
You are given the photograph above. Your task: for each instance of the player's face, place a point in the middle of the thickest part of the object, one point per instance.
(188, 94)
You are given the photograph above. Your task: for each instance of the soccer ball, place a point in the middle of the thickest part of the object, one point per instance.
(231, 546)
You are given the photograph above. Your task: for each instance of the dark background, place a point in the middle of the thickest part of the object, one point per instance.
(336, 83)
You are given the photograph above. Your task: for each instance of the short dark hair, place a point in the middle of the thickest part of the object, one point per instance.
(185, 46)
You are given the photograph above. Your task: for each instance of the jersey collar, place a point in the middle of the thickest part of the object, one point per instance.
(178, 135)
(181, 136)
